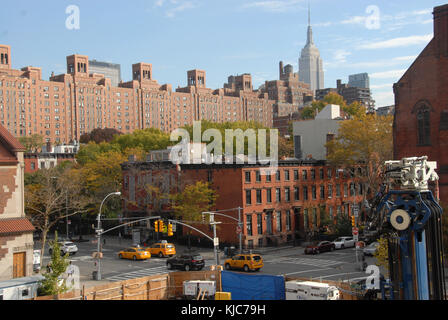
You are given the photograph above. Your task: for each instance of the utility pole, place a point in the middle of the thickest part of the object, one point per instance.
(215, 239)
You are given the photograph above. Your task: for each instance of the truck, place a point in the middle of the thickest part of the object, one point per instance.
(309, 290)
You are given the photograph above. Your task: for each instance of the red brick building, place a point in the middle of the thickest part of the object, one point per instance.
(16, 232)
(275, 207)
(78, 101)
(421, 104)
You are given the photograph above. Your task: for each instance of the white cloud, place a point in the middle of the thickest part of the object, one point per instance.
(179, 8)
(355, 20)
(341, 55)
(398, 42)
(273, 5)
(381, 86)
(391, 74)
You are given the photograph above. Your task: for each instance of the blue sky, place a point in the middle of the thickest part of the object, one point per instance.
(226, 37)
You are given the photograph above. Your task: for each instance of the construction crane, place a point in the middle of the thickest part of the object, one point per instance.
(406, 213)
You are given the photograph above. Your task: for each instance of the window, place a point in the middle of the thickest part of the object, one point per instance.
(33, 166)
(258, 195)
(322, 192)
(268, 176)
(345, 190)
(313, 174)
(248, 197)
(259, 224)
(313, 192)
(277, 175)
(288, 220)
(352, 189)
(286, 175)
(258, 176)
(296, 175)
(278, 195)
(296, 194)
(247, 174)
(268, 195)
(338, 190)
(249, 224)
(305, 193)
(287, 194)
(330, 191)
(279, 221)
(304, 174)
(305, 218)
(329, 173)
(321, 173)
(423, 126)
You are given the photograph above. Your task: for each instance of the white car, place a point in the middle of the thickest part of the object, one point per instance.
(66, 247)
(371, 249)
(344, 242)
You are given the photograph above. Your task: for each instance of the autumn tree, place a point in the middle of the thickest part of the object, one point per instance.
(99, 135)
(52, 195)
(362, 145)
(354, 109)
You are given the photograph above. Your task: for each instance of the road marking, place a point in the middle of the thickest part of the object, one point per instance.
(307, 261)
(337, 274)
(313, 270)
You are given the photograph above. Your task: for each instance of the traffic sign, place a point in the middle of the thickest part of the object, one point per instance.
(216, 242)
(355, 210)
(238, 230)
(355, 231)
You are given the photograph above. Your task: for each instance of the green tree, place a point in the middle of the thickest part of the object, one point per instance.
(343, 225)
(32, 143)
(99, 135)
(53, 284)
(354, 109)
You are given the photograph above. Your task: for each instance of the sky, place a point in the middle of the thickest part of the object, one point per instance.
(223, 37)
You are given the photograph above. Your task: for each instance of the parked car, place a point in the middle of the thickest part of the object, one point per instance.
(134, 253)
(320, 247)
(252, 262)
(344, 242)
(371, 249)
(66, 247)
(186, 262)
(162, 249)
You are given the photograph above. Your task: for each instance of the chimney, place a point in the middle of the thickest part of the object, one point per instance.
(441, 29)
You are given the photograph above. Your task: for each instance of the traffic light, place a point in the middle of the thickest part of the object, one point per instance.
(156, 226)
(161, 226)
(170, 230)
(353, 221)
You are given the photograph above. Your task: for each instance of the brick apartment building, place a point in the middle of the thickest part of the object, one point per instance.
(421, 104)
(70, 104)
(275, 208)
(16, 232)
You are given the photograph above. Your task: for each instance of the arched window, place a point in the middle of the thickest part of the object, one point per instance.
(423, 126)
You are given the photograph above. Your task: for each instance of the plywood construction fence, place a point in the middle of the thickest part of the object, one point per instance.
(147, 288)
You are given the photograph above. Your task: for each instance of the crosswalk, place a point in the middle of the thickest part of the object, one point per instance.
(143, 273)
(306, 261)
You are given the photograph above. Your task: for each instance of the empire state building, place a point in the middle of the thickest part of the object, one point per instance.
(310, 63)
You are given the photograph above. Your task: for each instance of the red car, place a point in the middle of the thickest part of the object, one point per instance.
(320, 247)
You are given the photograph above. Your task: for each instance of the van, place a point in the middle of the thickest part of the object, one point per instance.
(309, 290)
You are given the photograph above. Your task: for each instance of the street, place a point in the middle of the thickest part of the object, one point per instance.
(287, 261)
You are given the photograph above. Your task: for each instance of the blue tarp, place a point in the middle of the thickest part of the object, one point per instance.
(253, 287)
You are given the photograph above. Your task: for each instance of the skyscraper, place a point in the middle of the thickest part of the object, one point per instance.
(310, 62)
(360, 80)
(111, 71)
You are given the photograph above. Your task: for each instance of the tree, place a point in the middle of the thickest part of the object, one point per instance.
(189, 204)
(362, 145)
(382, 254)
(354, 109)
(99, 135)
(146, 140)
(32, 143)
(343, 225)
(52, 284)
(285, 148)
(52, 195)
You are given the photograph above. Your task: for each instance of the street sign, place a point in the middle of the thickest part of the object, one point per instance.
(216, 242)
(355, 231)
(238, 230)
(355, 237)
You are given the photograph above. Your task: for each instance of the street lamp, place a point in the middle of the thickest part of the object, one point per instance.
(98, 235)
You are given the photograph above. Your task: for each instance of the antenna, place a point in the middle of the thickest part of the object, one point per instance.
(309, 14)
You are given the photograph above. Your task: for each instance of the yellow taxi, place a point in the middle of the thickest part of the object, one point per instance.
(162, 249)
(134, 253)
(245, 261)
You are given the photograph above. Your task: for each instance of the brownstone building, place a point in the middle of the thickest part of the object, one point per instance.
(78, 101)
(16, 232)
(421, 104)
(275, 207)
